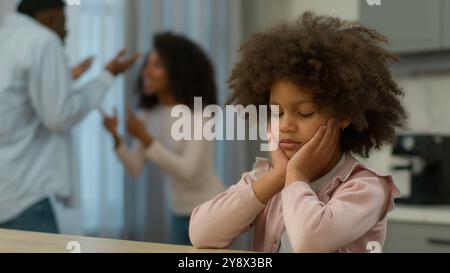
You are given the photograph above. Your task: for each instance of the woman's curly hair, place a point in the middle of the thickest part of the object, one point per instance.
(191, 72)
(342, 60)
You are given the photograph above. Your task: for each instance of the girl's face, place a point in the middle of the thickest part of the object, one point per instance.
(155, 75)
(300, 117)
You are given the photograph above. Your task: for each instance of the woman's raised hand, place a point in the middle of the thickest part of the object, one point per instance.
(110, 123)
(136, 127)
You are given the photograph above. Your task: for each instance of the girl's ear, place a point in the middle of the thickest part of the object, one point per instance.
(344, 123)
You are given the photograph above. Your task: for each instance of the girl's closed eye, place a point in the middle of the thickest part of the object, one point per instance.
(305, 114)
(300, 114)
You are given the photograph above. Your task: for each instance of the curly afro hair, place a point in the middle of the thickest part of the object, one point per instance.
(191, 73)
(342, 60)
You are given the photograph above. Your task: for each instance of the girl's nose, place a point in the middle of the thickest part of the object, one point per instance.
(287, 124)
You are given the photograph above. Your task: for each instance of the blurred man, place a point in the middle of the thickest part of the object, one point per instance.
(37, 110)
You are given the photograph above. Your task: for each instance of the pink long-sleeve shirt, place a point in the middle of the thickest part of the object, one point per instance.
(347, 215)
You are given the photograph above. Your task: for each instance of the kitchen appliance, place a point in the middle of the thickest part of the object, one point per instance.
(428, 161)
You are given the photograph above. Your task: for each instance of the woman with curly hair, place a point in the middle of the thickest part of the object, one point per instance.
(176, 71)
(336, 98)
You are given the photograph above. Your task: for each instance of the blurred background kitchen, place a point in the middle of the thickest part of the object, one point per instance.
(419, 31)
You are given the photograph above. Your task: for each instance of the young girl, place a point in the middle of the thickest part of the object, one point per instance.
(176, 71)
(336, 97)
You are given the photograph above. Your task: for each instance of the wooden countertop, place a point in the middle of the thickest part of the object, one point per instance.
(32, 242)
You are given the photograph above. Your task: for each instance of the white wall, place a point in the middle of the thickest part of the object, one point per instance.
(6, 6)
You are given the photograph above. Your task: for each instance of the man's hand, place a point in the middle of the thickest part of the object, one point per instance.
(80, 69)
(120, 64)
(311, 159)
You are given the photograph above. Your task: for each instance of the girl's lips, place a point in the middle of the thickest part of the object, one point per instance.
(289, 144)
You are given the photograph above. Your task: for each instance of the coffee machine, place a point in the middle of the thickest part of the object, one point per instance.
(428, 161)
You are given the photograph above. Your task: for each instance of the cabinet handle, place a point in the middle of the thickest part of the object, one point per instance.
(438, 241)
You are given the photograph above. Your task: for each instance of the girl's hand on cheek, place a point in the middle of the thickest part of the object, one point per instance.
(273, 182)
(279, 158)
(310, 160)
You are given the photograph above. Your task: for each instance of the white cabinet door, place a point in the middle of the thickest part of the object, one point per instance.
(410, 25)
(413, 237)
(446, 24)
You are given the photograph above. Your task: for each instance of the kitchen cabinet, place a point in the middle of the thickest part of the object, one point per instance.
(446, 23)
(410, 25)
(416, 228)
(414, 237)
